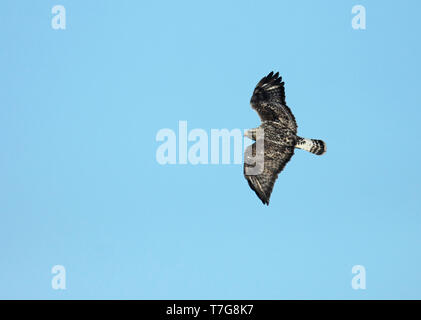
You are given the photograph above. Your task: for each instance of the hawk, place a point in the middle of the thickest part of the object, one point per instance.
(277, 134)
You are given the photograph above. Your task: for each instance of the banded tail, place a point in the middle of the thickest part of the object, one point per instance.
(311, 145)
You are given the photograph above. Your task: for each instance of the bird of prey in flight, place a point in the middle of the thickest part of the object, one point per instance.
(279, 138)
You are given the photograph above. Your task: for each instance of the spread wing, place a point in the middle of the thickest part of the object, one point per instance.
(275, 158)
(269, 101)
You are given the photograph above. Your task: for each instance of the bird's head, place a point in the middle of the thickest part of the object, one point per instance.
(251, 134)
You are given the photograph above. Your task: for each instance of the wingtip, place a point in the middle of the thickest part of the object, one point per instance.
(272, 76)
(265, 201)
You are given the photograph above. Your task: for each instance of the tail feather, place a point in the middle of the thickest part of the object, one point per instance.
(315, 146)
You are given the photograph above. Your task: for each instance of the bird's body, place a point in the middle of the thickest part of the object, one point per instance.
(279, 138)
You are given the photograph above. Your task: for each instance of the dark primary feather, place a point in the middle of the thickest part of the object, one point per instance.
(269, 101)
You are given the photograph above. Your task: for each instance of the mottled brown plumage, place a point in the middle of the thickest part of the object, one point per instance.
(279, 138)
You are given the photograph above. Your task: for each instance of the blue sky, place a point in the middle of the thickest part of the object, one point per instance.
(80, 185)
